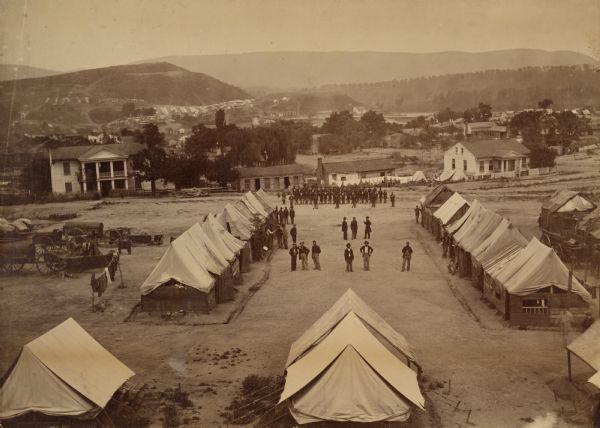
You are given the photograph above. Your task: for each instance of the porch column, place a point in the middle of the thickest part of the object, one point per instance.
(97, 175)
(112, 176)
(125, 172)
(83, 178)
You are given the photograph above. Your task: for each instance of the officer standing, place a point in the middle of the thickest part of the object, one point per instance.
(417, 212)
(406, 256)
(345, 229)
(354, 227)
(294, 256)
(367, 223)
(393, 199)
(316, 251)
(366, 250)
(349, 257)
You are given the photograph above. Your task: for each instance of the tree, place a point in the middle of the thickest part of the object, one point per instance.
(569, 127)
(150, 163)
(481, 113)
(222, 171)
(185, 171)
(36, 175)
(545, 103)
(540, 157)
(374, 123)
(220, 119)
(446, 115)
(202, 140)
(337, 122)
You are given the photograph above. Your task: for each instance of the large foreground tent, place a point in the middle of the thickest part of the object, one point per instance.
(530, 287)
(348, 367)
(433, 200)
(63, 373)
(450, 211)
(587, 347)
(180, 280)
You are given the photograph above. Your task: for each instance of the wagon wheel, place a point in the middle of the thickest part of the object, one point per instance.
(12, 267)
(41, 243)
(50, 260)
(546, 240)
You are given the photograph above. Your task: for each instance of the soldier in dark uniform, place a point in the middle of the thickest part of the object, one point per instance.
(393, 199)
(354, 227)
(316, 252)
(348, 257)
(345, 229)
(445, 244)
(417, 212)
(293, 233)
(385, 196)
(367, 223)
(286, 216)
(292, 215)
(407, 252)
(294, 256)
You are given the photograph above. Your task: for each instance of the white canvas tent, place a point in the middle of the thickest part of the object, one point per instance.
(587, 347)
(418, 177)
(505, 238)
(64, 372)
(445, 213)
(348, 366)
(263, 198)
(227, 243)
(184, 263)
(254, 205)
(469, 237)
(533, 268)
(238, 224)
(473, 210)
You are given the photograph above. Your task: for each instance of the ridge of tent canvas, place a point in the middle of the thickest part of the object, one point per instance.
(348, 302)
(239, 225)
(233, 244)
(481, 231)
(60, 361)
(473, 210)
(216, 238)
(263, 198)
(471, 224)
(450, 207)
(504, 237)
(587, 347)
(254, 205)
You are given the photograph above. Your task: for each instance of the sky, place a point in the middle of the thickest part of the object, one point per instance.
(73, 34)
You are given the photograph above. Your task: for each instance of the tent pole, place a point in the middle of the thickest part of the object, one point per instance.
(569, 288)
(569, 364)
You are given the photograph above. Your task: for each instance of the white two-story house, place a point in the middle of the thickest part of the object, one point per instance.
(95, 168)
(487, 157)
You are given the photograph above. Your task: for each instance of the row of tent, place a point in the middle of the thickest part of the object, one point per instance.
(351, 366)
(201, 266)
(525, 279)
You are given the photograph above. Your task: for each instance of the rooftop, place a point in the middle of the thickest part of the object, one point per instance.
(359, 165)
(496, 148)
(275, 170)
(77, 152)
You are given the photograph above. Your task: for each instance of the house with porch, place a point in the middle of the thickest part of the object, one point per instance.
(487, 158)
(485, 130)
(354, 171)
(94, 168)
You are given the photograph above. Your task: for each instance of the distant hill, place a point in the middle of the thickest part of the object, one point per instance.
(568, 87)
(157, 83)
(8, 72)
(294, 70)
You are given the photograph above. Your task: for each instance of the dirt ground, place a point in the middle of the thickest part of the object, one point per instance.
(488, 375)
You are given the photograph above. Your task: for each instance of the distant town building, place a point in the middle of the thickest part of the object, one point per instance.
(485, 130)
(273, 178)
(351, 172)
(100, 168)
(486, 157)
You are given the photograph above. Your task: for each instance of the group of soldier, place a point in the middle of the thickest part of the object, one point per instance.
(338, 195)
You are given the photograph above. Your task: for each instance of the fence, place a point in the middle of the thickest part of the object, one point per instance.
(542, 171)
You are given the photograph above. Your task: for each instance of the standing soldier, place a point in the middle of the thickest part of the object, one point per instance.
(385, 196)
(354, 227)
(417, 212)
(284, 235)
(354, 197)
(279, 235)
(316, 251)
(294, 256)
(286, 215)
(366, 251)
(345, 229)
(292, 215)
(445, 244)
(293, 233)
(367, 223)
(291, 198)
(316, 201)
(393, 199)
(349, 257)
(406, 256)
(303, 252)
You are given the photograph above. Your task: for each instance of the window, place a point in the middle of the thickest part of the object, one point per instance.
(343, 178)
(511, 165)
(456, 150)
(67, 168)
(490, 165)
(453, 163)
(464, 165)
(363, 175)
(334, 177)
(267, 183)
(119, 184)
(276, 183)
(481, 166)
(462, 151)
(247, 184)
(535, 306)
(68, 187)
(382, 174)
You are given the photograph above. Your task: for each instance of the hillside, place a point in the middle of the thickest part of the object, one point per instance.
(294, 70)
(7, 72)
(156, 83)
(568, 87)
